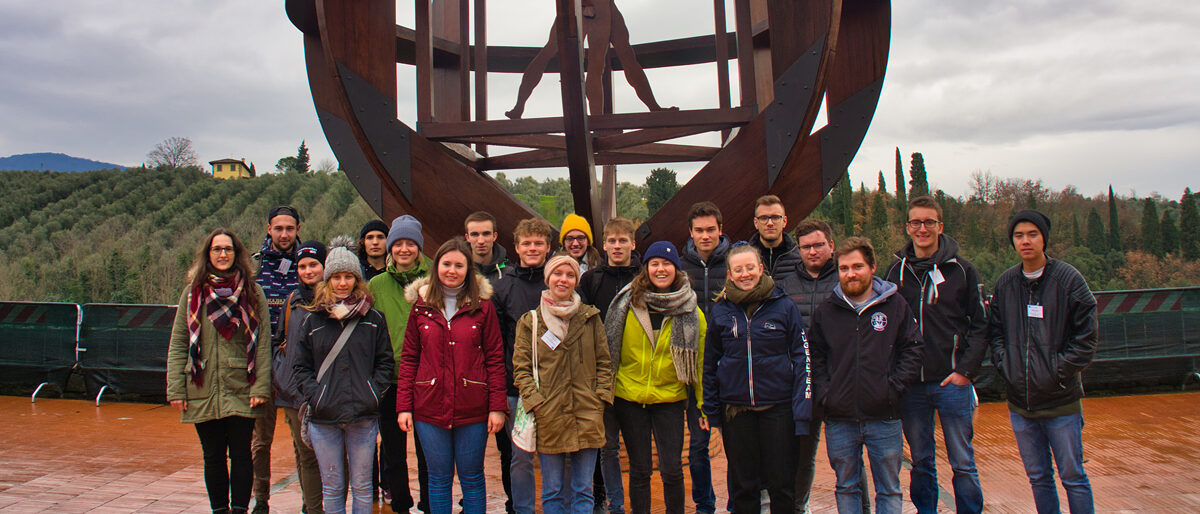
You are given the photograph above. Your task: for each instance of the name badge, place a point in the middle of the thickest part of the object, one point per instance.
(284, 266)
(551, 340)
(937, 276)
(1034, 311)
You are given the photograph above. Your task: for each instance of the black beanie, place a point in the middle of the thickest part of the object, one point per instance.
(373, 225)
(1032, 216)
(286, 210)
(313, 250)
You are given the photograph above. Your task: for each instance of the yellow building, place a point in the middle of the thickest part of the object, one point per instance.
(226, 169)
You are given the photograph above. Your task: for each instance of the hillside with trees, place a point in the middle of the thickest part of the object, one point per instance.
(129, 235)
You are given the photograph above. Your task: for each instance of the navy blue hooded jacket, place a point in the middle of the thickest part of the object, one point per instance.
(757, 360)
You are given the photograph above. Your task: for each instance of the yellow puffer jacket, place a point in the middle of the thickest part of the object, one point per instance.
(647, 372)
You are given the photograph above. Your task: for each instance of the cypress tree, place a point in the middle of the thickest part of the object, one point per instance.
(1096, 240)
(882, 184)
(901, 195)
(845, 192)
(1114, 233)
(879, 215)
(1076, 234)
(1189, 226)
(918, 180)
(1151, 236)
(1170, 233)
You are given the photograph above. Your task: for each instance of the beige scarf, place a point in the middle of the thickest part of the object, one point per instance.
(557, 314)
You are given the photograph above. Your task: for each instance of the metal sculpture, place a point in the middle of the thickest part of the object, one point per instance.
(792, 55)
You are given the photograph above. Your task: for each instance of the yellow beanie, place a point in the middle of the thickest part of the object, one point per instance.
(575, 222)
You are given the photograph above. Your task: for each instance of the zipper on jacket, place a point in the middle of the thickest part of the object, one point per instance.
(429, 382)
(372, 389)
(954, 355)
(467, 381)
(750, 355)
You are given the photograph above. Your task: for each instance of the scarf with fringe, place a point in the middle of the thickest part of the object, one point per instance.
(680, 307)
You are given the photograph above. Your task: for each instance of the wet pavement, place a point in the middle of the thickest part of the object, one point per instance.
(71, 456)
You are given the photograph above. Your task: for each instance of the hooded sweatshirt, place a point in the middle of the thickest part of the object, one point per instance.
(945, 294)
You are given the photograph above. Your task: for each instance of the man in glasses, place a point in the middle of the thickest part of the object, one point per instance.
(944, 292)
(777, 248)
(809, 284)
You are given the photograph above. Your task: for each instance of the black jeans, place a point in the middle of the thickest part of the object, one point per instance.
(393, 457)
(504, 446)
(760, 450)
(663, 421)
(216, 437)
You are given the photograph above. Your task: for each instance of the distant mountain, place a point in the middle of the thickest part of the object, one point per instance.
(53, 162)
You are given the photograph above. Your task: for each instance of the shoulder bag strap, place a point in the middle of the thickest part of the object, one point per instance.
(533, 340)
(337, 348)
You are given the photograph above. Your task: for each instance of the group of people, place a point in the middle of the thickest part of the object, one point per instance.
(562, 355)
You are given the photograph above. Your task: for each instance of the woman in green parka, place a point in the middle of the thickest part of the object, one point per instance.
(405, 264)
(219, 364)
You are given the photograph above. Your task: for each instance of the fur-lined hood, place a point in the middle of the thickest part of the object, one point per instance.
(420, 286)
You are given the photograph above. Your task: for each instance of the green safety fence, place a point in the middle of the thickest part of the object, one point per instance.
(1147, 337)
(37, 343)
(124, 348)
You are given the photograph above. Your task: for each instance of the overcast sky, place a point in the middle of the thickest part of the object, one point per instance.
(1081, 93)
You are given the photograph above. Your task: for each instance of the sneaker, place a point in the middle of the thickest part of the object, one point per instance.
(387, 495)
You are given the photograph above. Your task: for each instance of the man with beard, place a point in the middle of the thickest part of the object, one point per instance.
(489, 258)
(943, 290)
(277, 277)
(866, 351)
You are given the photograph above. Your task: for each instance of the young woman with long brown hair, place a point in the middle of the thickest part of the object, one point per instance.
(219, 364)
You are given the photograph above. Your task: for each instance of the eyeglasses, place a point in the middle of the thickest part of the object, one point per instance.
(218, 250)
(929, 224)
(811, 247)
(575, 239)
(774, 218)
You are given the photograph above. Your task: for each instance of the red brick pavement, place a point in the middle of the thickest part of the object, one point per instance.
(70, 456)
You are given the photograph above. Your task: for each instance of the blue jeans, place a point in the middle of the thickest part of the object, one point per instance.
(521, 470)
(884, 441)
(554, 472)
(610, 463)
(335, 445)
(460, 447)
(955, 408)
(698, 465)
(1037, 439)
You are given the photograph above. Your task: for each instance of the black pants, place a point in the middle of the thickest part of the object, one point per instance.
(504, 446)
(760, 448)
(663, 421)
(393, 457)
(232, 478)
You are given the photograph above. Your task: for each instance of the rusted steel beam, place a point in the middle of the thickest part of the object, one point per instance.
(624, 121)
(580, 165)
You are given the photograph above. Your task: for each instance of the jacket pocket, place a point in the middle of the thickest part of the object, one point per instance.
(473, 397)
(233, 374)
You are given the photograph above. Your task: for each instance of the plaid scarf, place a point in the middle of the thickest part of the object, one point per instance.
(349, 308)
(223, 298)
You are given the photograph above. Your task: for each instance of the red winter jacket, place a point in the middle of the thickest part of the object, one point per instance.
(451, 374)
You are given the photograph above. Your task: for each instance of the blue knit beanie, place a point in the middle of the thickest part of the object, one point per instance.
(663, 249)
(405, 227)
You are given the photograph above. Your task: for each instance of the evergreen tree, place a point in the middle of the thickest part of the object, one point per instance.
(302, 158)
(1170, 233)
(882, 184)
(901, 195)
(1189, 226)
(1114, 231)
(1151, 235)
(660, 187)
(844, 204)
(918, 180)
(1077, 235)
(1096, 240)
(879, 215)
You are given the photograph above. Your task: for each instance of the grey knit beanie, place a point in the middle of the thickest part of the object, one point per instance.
(405, 227)
(341, 259)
